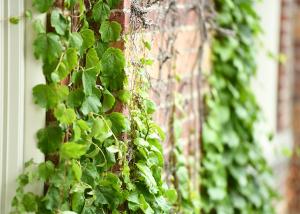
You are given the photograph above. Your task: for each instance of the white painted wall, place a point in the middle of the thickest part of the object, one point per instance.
(265, 84)
(19, 117)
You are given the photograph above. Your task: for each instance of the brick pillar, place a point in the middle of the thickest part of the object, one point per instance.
(293, 194)
(285, 71)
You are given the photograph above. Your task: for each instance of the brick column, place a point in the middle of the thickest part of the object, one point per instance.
(293, 194)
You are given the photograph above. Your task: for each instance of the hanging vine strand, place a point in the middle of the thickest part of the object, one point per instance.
(235, 177)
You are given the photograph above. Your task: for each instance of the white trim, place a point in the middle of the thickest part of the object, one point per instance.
(19, 117)
(13, 100)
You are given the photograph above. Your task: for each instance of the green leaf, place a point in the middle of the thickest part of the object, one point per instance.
(147, 177)
(14, 20)
(101, 47)
(89, 77)
(47, 46)
(108, 101)
(113, 3)
(71, 58)
(90, 104)
(75, 40)
(150, 106)
(38, 26)
(133, 201)
(28, 14)
(145, 207)
(88, 38)
(101, 129)
(171, 195)
(92, 60)
(101, 11)
(45, 170)
(64, 115)
(48, 96)
(65, 66)
(113, 60)
(49, 139)
(72, 150)
(30, 202)
(216, 193)
(70, 3)
(75, 98)
(42, 5)
(112, 67)
(76, 168)
(124, 96)
(119, 122)
(110, 31)
(58, 22)
(109, 191)
(77, 201)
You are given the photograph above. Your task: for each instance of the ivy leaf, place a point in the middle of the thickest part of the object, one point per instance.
(88, 38)
(30, 202)
(38, 26)
(42, 5)
(147, 177)
(49, 139)
(75, 40)
(113, 60)
(119, 122)
(47, 46)
(101, 47)
(70, 3)
(45, 170)
(108, 101)
(89, 77)
(48, 96)
(124, 96)
(59, 22)
(52, 198)
(112, 67)
(64, 115)
(14, 20)
(76, 168)
(216, 193)
(60, 73)
(71, 58)
(90, 104)
(110, 31)
(75, 98)
(101, 11)
(113, 3)
(66, 66)
(101, 129)
(72, 150)
(171, 195)
(109, 191)
(78, 201)
(150, 106)
(145, 207)
(92, 60)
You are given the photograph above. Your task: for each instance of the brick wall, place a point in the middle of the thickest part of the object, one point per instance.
(285, 72)
(294, 175)
(173, 29)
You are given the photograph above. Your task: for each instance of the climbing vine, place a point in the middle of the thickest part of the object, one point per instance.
(98, 159)
(235, 177)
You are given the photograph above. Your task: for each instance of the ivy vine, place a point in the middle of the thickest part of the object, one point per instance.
(98, 159)
(235, 177)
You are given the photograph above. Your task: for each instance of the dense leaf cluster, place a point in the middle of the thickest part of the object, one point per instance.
(97, 160)
(235, 177)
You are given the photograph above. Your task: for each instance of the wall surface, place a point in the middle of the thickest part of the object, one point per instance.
(19, 118)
